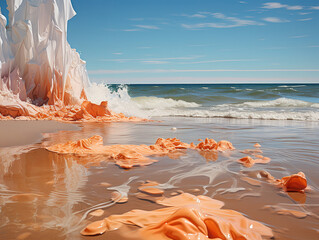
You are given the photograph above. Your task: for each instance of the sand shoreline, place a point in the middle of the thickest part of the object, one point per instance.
(18, 133)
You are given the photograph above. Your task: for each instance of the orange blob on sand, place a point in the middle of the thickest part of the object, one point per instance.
(257, 145)
(128, 156)
(293, 183)
(185, 217)
(249, 161)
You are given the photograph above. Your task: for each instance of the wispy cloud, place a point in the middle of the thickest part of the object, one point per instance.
(304, 19)
(315, 8)
(230, 22)
(275, 20)
(147, 26)
(125, 71)
(196, 15)
(117, 53)
(155, 62)
(220, 60)
(150, 59)
(276, 5)
(299, 36)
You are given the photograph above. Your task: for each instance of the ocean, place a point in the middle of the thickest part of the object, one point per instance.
(240, 101)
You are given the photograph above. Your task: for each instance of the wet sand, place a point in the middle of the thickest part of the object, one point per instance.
(18, 133)
(45, 195)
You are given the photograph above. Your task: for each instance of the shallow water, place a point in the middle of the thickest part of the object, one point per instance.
(64, 187)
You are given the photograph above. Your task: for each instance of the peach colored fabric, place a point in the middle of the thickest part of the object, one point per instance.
(185, 217)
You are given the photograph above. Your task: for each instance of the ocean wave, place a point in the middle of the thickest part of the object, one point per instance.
(266, 115)
(119, 100)
(280, 102)
(163, 103)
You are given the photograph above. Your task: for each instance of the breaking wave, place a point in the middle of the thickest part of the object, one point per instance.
(150, 106)
(280, 102)
(119, 100)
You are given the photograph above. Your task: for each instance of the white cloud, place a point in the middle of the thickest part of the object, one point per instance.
(197, 16)
(276, 5)
(305, 19)
(155, 62)
(294, 7)
(230, 22)
(315, 8)
(274, 20)
(299, 36)
(220, 60)
(150, 59)
(147, 26)
(305, 13)
(117, 53)
(242, 2)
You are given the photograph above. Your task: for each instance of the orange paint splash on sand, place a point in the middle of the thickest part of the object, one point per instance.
(128, 156)
(185, 217)
(249, 161)
(149, 187)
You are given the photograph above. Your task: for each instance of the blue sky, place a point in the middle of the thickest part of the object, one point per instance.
(197, 41)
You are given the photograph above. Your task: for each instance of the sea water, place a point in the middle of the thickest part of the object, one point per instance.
(239, 101)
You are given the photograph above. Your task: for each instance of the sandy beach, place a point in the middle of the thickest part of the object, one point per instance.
(62, 187)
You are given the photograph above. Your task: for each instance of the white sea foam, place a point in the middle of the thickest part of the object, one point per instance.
(118, 101)
(145, 107)
(163, 103)
(280, 102)
(266, 115)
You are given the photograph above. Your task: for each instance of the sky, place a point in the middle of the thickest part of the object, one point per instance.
(197, 41)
